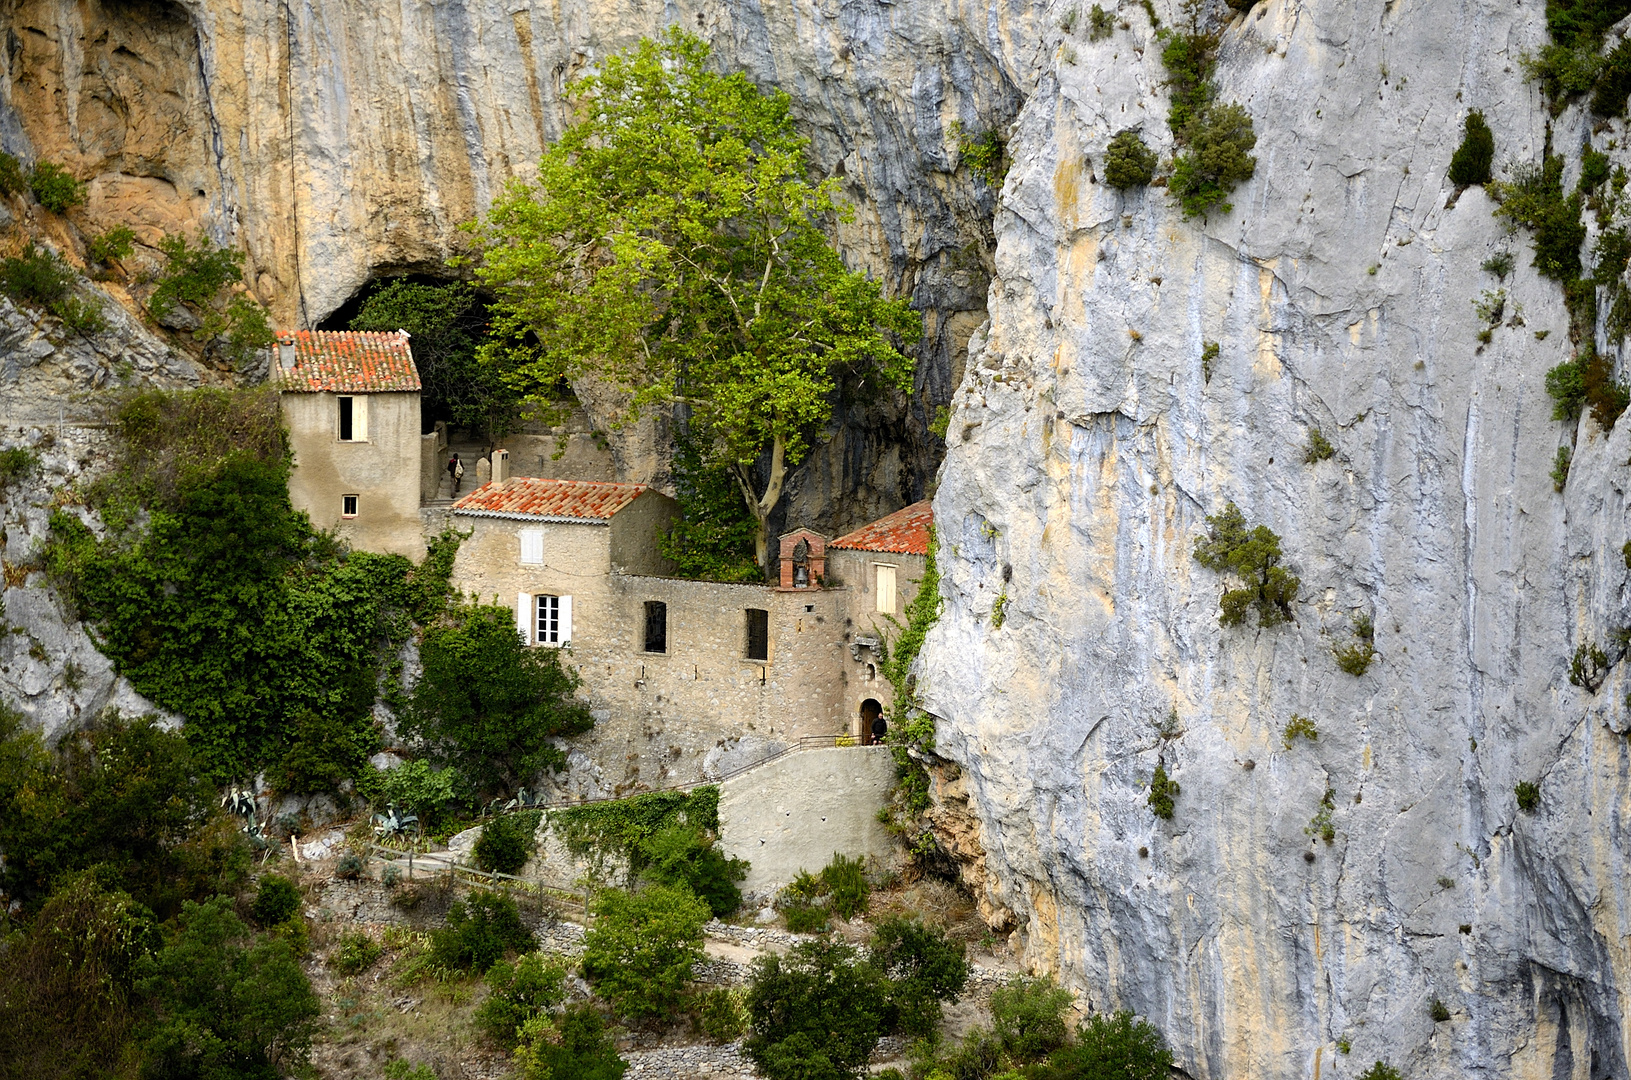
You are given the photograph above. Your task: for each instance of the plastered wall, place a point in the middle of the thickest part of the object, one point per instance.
(796, 812)
(383, 471)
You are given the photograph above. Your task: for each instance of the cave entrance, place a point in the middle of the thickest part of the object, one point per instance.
(447, 322)
(871, 721)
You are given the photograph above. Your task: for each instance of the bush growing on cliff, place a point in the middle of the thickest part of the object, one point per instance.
(116, 243)
(924, 970)
(488, 705)
(640, 952)
(518, 992)
(480, 931)
(1471, 162)
(1253, 556)
(1528, 796)
(38, 277)
(1128, 163)
(1214, 140)
(1381, 1071)
(573, 1046)
(1163, 793)
(507, 842)
(1356, 656)
(817, 1012)
(55, 187)
(1118, 1045)
(12, 179)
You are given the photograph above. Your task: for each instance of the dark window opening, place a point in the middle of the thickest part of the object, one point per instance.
(345, 419)
(758, 634)
(656, 626)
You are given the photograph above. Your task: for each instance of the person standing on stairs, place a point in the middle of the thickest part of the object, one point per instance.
(455, 469)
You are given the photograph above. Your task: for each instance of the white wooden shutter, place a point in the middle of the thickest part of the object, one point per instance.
(566, 620)
(523, 616)
(532, 546)
(359, 418)
(886, 589)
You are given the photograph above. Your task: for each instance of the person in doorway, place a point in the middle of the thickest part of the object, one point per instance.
(873, 727)
(455, 469)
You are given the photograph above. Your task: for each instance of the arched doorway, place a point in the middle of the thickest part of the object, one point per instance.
(871, 714)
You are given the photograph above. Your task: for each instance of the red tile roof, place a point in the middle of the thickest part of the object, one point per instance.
(528, 498)
(905, 532)
(345, 362)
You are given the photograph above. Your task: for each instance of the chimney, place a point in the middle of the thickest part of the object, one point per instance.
(285, 352)
(501, 467)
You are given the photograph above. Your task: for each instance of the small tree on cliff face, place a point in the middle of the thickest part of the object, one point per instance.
(670, 245)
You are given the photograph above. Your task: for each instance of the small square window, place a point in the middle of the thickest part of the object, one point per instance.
(348, 506)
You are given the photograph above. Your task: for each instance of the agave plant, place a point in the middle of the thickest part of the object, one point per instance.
(394, 826)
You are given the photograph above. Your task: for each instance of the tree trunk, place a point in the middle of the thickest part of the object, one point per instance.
(760, 506)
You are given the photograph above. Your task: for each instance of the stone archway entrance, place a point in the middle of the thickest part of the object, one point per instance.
(871, 712)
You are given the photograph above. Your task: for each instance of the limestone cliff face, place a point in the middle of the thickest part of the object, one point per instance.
(336, 139)
(1087, 444)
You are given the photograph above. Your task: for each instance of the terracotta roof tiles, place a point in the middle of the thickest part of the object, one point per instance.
(529, 498)
(905, 532)
(345, 362)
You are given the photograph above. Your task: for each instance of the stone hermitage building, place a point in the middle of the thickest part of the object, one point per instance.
(687, 679)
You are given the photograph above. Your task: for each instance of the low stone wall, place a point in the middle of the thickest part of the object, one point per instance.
(796, 812)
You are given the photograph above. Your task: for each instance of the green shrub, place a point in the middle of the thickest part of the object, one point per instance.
(357, 953)
(1356, 656)
(1588, 667)
(436, 796)
(1594, 169)
(575, 1046)
(123, 796)
(12, 179)
(1116, 1046)
(642, 947)
(480, 931)
(193, 274)
(924, 970)
(55, 187)
(1254, 557)
(839, 889)
(685, 855)
(1499, 264)
(116, 243)
(490, 706)
(36, 277)
(1614, 82)
(16, 462)
(401, 1069)
(1300, 727)
(66, 1000)
(226, 1005)
(1470, 164)
(1215, 159)
(816, 1012)
(1319, 447)
(1560, 466)
(1528, 795)
(518, 992)
(277, 900)
(240, 332)
(80, 315)
(1028, 1016)
(1209, 357)
(1439, 1011)
(722, 1013)
(1322, 825)
(1380, 1071)
(1534, 199)
(985, 153)
(1128, 162)
(1164, 793)
(1100, 24)
(506, 843)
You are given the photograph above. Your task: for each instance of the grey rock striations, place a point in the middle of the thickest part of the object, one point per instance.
(1087, 445)
(337, 141)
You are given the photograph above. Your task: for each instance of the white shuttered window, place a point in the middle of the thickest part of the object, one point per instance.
(532, 547)
(542, 619)
(886, 588)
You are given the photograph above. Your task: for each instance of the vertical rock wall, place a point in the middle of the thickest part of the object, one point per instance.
(1087, 445)
(338, 139)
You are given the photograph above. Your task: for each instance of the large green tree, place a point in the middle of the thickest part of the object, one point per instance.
(672, 245)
